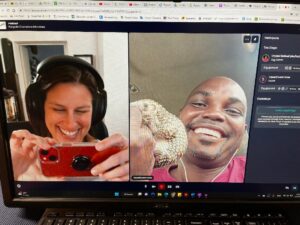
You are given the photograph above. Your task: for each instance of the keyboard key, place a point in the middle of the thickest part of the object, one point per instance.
(157, 222)
(81, 222)
(125, 221)
(274, 223)
(224, 215)
(100, 214)
(226, 223)
(212, 215)
(90, 214)
(196, 222)
(248, 216)
(102, 221)
(70, 222)
(49, 221)
(118, 214)
(79, 214)
(60, 221)
(188, 215)
(235, 215)
(200, 215)
(178, 215)
(52, 214)
(114, 222)
(135, 222)
(179, 222)
(91, 222)
(252, 223)
(215, 223)
(167, 222)
(147, 222)
(69, 214)
(237, 223)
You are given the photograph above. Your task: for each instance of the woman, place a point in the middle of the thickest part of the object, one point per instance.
(63, 105)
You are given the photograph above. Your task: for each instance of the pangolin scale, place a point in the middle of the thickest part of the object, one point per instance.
(168, 132)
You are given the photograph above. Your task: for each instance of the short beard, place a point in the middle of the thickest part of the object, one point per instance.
(201, 156)
(205, 156)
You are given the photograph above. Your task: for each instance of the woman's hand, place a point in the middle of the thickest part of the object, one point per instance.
(24, 147)
(142, 145)
(116, 167)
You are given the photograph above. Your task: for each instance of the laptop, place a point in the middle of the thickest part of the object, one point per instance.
(151, 112)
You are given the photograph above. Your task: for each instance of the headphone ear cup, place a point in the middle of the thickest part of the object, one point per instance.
(99, 107)
(104, 103)
(33, 105)
(31, 100)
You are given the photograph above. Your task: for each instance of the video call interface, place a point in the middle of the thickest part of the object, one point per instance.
(182, 108)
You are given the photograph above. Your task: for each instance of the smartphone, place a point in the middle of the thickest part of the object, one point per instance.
(72, 159)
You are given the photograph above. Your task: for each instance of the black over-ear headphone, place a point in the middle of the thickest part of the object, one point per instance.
(35, 102)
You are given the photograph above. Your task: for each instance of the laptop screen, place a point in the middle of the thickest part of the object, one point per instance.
(149, 101)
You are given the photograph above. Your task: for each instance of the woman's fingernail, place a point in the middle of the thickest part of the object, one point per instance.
(94, 172)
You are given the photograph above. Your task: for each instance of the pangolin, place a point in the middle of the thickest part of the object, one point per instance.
(168, 132)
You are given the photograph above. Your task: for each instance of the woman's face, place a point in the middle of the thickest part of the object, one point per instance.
(68, 112)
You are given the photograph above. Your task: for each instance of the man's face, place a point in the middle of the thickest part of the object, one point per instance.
(214, 116)
(68, 112)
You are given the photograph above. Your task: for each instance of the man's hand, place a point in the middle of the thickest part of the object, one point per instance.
(142, 145)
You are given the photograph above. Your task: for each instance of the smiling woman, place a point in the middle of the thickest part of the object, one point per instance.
(65, 102)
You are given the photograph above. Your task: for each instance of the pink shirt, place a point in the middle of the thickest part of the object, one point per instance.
(234, 173)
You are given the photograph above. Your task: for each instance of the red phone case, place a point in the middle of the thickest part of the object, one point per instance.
(69, 160)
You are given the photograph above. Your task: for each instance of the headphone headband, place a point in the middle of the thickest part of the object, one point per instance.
(61, 60)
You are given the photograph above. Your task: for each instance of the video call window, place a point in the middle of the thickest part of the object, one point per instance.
(71, 92)
(207, 80)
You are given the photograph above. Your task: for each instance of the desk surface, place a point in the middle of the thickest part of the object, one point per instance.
(9, 216)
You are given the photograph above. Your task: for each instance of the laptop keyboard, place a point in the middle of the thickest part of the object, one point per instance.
(60, 217)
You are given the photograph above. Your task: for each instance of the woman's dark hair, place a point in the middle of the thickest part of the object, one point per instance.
(36, 93)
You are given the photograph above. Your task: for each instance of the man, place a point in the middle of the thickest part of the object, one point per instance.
(214, 116)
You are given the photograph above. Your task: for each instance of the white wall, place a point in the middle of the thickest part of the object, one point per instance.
(115, 65)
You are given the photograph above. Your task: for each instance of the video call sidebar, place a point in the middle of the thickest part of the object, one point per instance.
(272, 156)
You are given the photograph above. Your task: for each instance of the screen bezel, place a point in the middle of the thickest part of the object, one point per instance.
(7, 180)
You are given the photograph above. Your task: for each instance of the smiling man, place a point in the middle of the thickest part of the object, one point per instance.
(214, 116)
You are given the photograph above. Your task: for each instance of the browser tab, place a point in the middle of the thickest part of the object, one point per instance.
(284, 7)
(167, 4)
(228, 5)
(211, 5)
